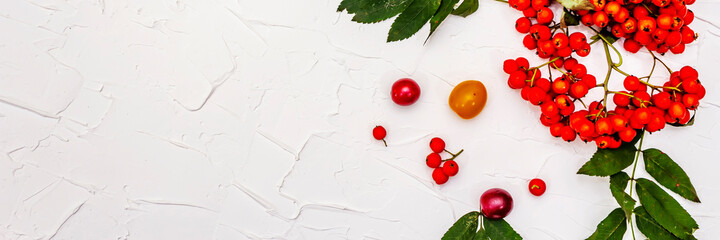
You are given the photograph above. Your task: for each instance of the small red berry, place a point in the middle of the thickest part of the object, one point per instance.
(537, 187)
(621, 99)
(439, 176)
(379, 133)
(510, 66)
(450, 168)
(437, 145)
(433, 160)
(688, 73)
(627, 135)
(522, 25)
(631, 83)
(568, 134)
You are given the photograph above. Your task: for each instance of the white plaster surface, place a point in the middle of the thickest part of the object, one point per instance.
(238, 119)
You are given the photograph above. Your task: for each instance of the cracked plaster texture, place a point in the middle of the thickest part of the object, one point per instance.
(223, 119)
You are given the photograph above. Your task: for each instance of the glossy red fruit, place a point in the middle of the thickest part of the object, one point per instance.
(529, 42)
(631, 45)
(568, 134)
(536, 95)
(622, 16)
(437, 145)
(439, 176)
(621, 99)
(630, 25)
(646, 24)
(577, 40)
(578, 90)
(405, 92)
(522, 25)
(549, 109)
(631, 83)
(516, 80)
(537, 187)
(604, 126)
(379, 133)
(496, 203)
(433, 160)
(510, 66)
(627, 135)
(450, 168)
(601, 19)
(560, 86)
(583, 51)
(688, 73)
(618, 123)
(556, 129)
(691, 101)
(662, 100)
(657, 122)
(589, 80)
(544, 15)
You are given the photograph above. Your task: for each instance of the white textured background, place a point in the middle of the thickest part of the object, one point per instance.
(221, 119)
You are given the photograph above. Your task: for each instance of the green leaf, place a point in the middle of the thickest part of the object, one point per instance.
(412, 19)
(445, 8)
(570, 19)
(612, 227)
(577, 4)
(466, 8)
(372, 11)
(650, 227)
(669, 174)
(481, 235)
(618, 183)
(500, 230)
(665, 210)
(606, 162)
(464, 228)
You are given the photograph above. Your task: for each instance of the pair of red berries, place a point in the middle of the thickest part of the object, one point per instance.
(443, 169)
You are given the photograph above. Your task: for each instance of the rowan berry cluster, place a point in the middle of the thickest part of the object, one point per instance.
(642, 106)
(659, 25)
(443, 169)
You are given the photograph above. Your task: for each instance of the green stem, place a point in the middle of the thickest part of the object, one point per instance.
(503, 1)
(663, 63)
(620, 59)
(549, 62)
(453, 155)
(652, 70)
(637, 156)
(607, 77)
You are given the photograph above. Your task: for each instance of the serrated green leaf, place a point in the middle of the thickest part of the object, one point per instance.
(499, 229)
(666, 211)
(612, 227)
(372, 11)
(570, 19)
(481, 235)
(606, 162)
(618, 183)
(577, 4)
(412, 19)
(466, 8)
(650, 227)
(464, 228)
(446, 6)
(669, 174)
